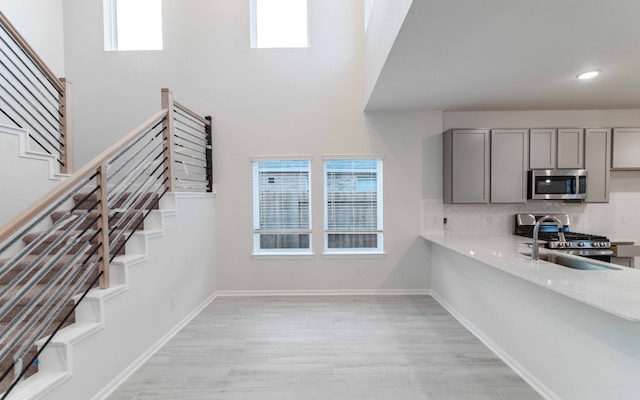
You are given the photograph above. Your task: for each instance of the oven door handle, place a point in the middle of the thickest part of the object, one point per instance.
(587, 253)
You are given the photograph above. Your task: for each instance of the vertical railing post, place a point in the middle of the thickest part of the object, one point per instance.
(66, 128)
(209, 153)
(103, 226)
(168, 136)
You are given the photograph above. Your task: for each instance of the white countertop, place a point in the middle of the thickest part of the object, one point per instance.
(614, 291)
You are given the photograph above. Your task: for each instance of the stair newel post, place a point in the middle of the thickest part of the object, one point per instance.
(209, 153)
(103, 226)
(66, 128)
(168, 136)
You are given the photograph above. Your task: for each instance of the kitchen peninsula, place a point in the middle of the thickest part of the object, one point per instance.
(571, 334)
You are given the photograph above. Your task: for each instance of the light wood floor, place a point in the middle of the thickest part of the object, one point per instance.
(325, 347)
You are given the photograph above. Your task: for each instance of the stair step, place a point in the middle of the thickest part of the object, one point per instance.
(116, 219)
(31, 353)
(45, 242)
(83, 202)
(88, 235)
(6, 364)
(30, 295)
(9, 276)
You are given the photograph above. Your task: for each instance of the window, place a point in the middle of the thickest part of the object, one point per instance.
(281, 206)
(279, 23)
(353, 205)
(132, 25)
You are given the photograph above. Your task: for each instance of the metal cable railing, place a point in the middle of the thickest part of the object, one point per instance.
(32, 98)
(60, 248)
(193, 161)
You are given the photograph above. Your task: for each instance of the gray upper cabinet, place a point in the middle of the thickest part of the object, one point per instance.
(509, 161)
(571, 148)
(626, 148)
(542, 149)
(466, 166)
(597, 159)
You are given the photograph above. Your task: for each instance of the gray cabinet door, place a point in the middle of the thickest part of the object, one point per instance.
(542, 145)
(466, 166)
(597, 159)
(509, 160)
(571, 148)
(626, 148)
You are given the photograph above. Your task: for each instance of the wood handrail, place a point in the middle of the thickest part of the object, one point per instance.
(191, 113)
(31, 53)
(13, 226)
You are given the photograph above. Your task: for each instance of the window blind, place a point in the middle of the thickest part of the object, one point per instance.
(282, 218)
(353, 204)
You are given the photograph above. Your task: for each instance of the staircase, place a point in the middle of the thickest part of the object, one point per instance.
(25, 271)
(63, 248)
(66, 260)
(164, 278)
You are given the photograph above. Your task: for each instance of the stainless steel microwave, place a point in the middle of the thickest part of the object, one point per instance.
(557, 184)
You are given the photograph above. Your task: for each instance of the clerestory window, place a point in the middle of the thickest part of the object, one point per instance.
(279, 24)
(132, 25)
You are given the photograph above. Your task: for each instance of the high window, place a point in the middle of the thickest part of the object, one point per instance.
(353, 205)
(132, 25)
(281, 206)
(279, 23)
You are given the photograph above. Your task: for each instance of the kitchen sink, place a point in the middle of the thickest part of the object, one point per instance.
(580, 263)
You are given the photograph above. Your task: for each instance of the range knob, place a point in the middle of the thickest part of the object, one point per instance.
(595, 244)
(580, 244)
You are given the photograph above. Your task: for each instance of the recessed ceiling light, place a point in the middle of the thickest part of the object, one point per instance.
(588, 74)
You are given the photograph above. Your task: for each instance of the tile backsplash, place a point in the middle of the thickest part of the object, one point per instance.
(491, 219)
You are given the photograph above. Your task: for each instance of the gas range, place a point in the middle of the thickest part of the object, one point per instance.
(573, 240)
(583, 244)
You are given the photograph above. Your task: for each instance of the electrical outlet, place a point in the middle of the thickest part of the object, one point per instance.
(359, 270)
(172, 301)
(623, 219)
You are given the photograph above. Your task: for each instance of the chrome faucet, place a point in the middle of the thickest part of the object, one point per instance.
(536, 228)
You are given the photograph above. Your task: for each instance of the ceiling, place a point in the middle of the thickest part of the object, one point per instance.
(477, 55)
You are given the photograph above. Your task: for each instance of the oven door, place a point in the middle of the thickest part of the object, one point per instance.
(594, 254)
(557, 184)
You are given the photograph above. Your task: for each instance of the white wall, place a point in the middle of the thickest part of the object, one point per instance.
(264, 102)
(27, 176)
(595, 218)
(385, 21)
(40, 23)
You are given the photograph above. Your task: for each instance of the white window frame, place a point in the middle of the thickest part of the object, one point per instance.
(380, 209)
(253, 23)
(110, 16)
(257, 231)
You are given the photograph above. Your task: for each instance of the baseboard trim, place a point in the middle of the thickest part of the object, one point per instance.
(133, 367)
(528, 377)
(338, 292)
